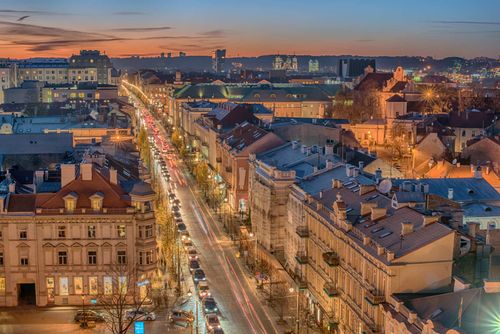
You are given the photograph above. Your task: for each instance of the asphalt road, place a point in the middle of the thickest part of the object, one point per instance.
(241, 311)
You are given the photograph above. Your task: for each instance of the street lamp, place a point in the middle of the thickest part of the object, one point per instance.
(84, 323)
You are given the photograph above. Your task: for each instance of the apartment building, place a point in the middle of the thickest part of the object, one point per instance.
(353, 251)
(53, 71)
(271, 175)
(57, 247)
(235, 146)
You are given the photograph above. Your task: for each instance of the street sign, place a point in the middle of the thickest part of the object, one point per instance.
(139, 327)
(145, 282)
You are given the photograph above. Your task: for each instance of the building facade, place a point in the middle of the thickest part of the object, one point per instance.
(57, 247)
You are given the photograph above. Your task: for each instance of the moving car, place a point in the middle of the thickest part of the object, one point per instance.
(140, 314)
(192, 253)
(193, 265)
(212, 321)
(199, 275)
(209, 305)
(88, 315)
(203, 290)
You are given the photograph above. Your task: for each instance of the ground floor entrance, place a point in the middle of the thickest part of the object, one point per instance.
(26, 294)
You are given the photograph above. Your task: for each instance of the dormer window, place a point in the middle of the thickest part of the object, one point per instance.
(96, 201)
(70, 201)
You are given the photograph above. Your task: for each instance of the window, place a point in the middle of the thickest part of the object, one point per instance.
(62, 258)
(122, 257)
(1, 258)
(23, 234)
(70, 204)
(92, 255)
(24, 261)
(121, 231)
(2, 285)
(61, 231)
(149, 257)
(149, 231)
(91, 231)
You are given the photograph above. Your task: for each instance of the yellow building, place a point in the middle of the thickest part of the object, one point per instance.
(56, 247)
(352, 251)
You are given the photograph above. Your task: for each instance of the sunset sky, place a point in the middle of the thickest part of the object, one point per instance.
(437, 28)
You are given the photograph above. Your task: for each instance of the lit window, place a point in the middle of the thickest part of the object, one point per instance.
(149, 231)
(91, 231)
(122, 231)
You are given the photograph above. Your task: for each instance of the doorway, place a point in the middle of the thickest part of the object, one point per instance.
(27, 294)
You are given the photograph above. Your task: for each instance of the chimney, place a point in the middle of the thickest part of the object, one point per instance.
(86, 171)
(390, 255)
(328, 149)
(295, 144)
(178, 76)
(377, 213)
(361, 166)
(67, 174)
(348, 170)
(336, 184)
(378, 175)
(39, 176)
(412, 317)
(366, 240)
(12, 187)
(425, 188)
(308, 151)
(406, 228)
(450, 193)
(478, 173)
(329, 164)
(430, 220)
(303, 149)
(366, 208)
(355, 172)
(473, 227)
(113, 176)
(380, 250)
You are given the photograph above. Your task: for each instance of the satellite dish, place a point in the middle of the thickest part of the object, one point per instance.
(384, 186)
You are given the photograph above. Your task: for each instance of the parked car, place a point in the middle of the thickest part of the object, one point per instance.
(193, 265)
(209, 305)
(140, 314)
(177, 214)
(203, 290)
(212, 321)
(88, 315)
(181, 316)
(199, 275)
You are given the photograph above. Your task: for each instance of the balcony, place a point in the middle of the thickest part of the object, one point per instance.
(301, 258)
(331, 259)
(330, 290)
(374, 297)
(302, 231)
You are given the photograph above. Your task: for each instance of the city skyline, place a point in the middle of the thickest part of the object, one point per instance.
(57, 28)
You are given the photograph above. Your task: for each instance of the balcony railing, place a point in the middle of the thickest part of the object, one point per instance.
(374, 297)
(331, 259)
(302, 231)
(301, 258)
(330, 290)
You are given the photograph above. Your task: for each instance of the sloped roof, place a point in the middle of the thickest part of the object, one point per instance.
(243, 136)
(113, 194)
(373, 81)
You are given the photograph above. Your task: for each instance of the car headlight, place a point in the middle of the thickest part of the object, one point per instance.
(215, 309)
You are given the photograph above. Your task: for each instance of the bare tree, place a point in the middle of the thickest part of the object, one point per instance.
(123, 291)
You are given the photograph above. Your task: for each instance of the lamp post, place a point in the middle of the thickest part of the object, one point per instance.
(84, 323)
